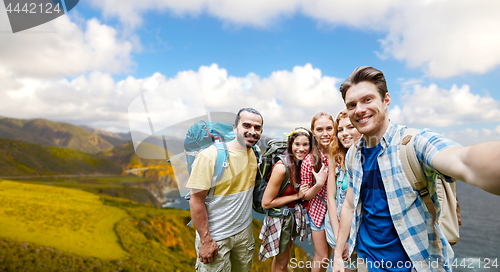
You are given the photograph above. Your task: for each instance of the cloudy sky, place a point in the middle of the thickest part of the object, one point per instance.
(286, 58)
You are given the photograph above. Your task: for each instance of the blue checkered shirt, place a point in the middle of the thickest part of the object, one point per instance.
(413, 222)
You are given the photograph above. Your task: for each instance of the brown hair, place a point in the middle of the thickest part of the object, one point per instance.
(365, 73)
(315, 154)
(337, 150)
(294, 166)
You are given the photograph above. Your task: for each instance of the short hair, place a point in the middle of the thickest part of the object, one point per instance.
(250, 110)
(365, 73)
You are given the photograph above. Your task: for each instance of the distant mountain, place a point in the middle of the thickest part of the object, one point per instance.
(19, 158)
(115, 139)
(59, 134)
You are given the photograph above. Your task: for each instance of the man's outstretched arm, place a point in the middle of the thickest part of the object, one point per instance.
(208, 247)
(478, 165)
(345, 227)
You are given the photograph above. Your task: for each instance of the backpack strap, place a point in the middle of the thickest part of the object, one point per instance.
(257, 152)
(415, 175)
(286, 180)
(413, 171)
(221, 163)
(284, 185)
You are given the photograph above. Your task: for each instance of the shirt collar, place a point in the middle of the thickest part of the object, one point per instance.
(386, 139)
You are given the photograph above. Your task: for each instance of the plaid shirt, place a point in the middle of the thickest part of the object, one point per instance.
(409, 214)
(271, 232)
(317, 207)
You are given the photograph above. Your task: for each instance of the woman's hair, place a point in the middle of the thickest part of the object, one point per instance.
(337, 150)
(293, 166)
(315, 154)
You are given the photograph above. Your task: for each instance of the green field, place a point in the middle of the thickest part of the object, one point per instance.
(71, 220)
(44, 227)
(50, 228)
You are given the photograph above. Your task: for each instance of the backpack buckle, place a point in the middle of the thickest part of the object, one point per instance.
(225, 164)
(424, 192)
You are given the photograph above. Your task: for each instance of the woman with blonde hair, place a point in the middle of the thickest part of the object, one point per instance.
(346, 135)
(314, 172)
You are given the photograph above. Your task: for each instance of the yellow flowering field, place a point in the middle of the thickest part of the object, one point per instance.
(70, 220)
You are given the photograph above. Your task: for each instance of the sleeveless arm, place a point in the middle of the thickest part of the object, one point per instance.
(270, 198)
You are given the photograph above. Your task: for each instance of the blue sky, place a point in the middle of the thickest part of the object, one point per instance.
(285, 58)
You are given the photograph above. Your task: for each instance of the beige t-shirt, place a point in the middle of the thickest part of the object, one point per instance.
(230, 208)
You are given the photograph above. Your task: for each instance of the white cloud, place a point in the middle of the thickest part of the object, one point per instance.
(286, 98)
(259, 13)
(433, 106)
(63, 48)
(353, 13)
(444, 38)
(469, 136)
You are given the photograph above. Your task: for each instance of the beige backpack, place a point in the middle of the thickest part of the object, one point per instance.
(450, 217)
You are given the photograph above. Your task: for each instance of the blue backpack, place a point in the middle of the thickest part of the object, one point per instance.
(202, 135)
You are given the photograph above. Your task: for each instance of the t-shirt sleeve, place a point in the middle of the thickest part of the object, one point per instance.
(306, 174)
(202, 172)
(427, 145)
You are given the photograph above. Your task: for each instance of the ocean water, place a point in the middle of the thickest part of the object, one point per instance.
(479, 246)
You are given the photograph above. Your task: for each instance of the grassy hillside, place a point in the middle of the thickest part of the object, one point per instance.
(70, 220)
(150, 238)
(58, 134)
(128, 187)
(20, 158)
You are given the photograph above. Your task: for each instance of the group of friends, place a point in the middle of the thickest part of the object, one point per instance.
(362, 207)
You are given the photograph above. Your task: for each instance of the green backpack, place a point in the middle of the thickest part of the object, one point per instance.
(274, 152)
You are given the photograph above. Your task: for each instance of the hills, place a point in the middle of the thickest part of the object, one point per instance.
(42, 147)
(26, 159)
(62, 216)
(59, 134)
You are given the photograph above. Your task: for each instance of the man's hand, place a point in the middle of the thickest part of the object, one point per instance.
(208, 251)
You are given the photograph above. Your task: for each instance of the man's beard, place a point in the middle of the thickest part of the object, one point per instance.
(241, 139)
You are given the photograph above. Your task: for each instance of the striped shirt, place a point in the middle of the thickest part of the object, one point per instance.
(229, 210)
(409, 214)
